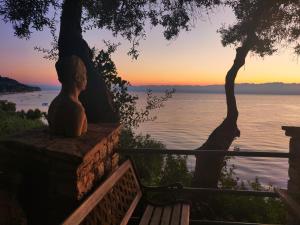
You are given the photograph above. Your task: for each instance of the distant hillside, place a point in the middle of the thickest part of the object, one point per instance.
(8, 85)
(244, 88)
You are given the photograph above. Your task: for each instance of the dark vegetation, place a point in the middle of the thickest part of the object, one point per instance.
(8, 85)
(12, 121)
(160, 170)
(124, 102)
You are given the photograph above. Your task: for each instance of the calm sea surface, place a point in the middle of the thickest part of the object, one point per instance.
(187, 119)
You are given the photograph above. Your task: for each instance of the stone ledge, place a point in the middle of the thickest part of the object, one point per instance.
(291, 131)
(76, 150)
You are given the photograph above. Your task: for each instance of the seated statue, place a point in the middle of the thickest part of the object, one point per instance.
(66, 115)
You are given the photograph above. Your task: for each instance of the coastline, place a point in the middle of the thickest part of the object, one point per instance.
(17, 92)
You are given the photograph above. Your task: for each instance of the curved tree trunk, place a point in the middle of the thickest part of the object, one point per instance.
(96, 99)
(208, 167)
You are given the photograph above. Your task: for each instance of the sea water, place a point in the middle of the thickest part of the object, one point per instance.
(187, 119)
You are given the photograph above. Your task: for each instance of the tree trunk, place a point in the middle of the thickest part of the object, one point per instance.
(208, 167)
(96, 99)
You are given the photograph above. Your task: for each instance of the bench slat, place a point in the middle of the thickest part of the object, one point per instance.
(156, 216)
(147, 215)
(165, 220)
(185, 214)
(176, 215)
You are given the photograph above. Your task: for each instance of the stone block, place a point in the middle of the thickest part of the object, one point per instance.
(59, 168)
(115, 161)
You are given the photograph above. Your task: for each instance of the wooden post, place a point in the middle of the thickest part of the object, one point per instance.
(294, 170)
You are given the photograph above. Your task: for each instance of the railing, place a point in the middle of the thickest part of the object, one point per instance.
(241, 153)
(293, 206)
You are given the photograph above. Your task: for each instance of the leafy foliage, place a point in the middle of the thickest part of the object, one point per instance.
(122, 17)
(12, 121)
(266, 23)
(124, 101)
(262, 24)
(128, 18)
(175, 170)
(10, 107)
(292, 24)
(148, 166)
(7, 106)
(174, 16)
(31, 114)
(27, 15)
(155, 169)
(244, 208)
(52, 53)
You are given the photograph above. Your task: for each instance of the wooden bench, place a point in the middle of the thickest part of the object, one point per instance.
(114, 202)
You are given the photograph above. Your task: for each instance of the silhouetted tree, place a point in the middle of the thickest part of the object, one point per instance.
(258, 29)
(125, 102)
(124, 17)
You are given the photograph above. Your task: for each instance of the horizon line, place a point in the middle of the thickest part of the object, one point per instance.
(188, 85)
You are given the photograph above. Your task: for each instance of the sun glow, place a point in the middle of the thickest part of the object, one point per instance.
(194, 58)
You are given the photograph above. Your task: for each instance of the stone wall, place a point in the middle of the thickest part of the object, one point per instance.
(57, 173)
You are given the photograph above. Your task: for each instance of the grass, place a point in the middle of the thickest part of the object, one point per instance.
(12, 122)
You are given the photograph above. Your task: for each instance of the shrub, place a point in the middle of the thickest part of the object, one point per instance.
(7, 106)
(13, 122)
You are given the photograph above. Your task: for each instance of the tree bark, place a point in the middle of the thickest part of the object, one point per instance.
(96, 99)
(208, 167)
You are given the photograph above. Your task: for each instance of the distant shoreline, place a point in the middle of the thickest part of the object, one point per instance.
(11, 86)
(217, 93)
(240, 89)
(17, 92)
(162, 91)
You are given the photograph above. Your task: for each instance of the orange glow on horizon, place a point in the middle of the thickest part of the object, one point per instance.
(171, 84)
(194, 58)
(29, 78)
(50, 78)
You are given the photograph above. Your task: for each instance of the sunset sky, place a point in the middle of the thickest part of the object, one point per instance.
(194, 58)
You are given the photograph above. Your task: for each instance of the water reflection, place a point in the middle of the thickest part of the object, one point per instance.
(187, 119)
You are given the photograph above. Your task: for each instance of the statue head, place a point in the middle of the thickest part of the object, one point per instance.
(72, 75)
(71, 72)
